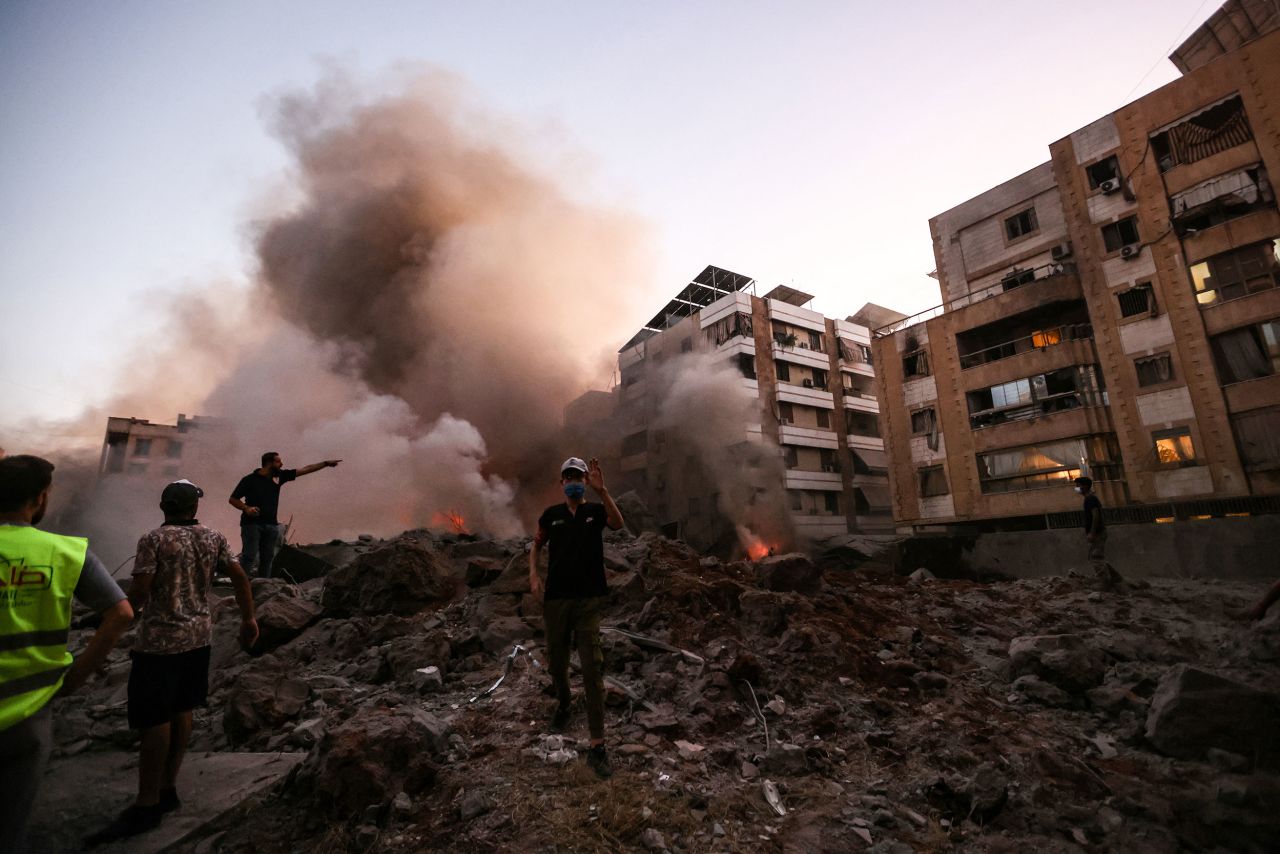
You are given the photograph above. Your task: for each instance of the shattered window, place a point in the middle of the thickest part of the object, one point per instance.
(1104, 170)
(142, 447)
(1137, 300)
(923, 421)
(933, 481)
(1154, 370)
(1120, 234)
(1020, 224)
(1216, 128)
(915, 364)
(746, 365)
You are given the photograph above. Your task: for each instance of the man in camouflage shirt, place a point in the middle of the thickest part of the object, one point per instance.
(172, 577)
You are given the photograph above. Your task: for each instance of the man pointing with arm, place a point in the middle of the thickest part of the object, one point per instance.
(257, 497)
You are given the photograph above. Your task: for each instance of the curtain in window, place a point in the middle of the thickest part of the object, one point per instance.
(1241, 356)
(1044, 457)
(1258, 435)
(1212, 131)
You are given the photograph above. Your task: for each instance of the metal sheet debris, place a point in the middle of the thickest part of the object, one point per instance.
(772, 795)
(516, 652)
(654, 643)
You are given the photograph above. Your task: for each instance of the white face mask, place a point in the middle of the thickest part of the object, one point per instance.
(1079, 491)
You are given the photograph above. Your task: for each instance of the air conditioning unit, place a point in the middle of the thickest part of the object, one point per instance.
(807, 383)
(1131, 251)
(1111, 185)
(1057, 269)
(1062, 250)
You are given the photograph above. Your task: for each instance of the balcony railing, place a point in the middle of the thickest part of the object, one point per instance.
(1039, 340)
(1031, 411)
(1042, 273)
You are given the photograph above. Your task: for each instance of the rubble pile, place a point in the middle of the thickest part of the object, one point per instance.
(793, 704)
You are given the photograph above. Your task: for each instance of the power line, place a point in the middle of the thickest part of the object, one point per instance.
(1165, 53)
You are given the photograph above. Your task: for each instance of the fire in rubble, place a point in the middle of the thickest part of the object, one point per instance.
(451, 520)
(755, 547)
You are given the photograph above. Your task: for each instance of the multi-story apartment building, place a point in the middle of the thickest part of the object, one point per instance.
(813, 379)
(137, 447)
(1113, 311)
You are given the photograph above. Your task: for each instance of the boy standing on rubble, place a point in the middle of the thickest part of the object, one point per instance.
(172, 577)
(575, 593)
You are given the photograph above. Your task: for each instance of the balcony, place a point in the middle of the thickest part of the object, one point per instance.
(860, 401)
(1048, 283)
(806, 396)
(828, 481)
(1038, 341)
(809, 437)
(800, 354)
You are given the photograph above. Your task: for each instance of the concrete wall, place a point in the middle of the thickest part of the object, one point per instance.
(1239, 548)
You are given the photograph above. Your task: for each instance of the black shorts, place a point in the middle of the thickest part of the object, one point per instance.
(163, 686)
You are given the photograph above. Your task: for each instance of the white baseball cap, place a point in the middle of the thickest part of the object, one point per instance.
(573, 463)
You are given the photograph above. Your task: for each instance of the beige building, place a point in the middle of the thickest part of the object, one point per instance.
(139, 448)
(813, 380)
(1113, 311)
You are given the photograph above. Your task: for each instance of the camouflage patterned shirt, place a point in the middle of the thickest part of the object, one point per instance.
(183, 557)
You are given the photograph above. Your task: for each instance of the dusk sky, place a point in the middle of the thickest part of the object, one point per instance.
(801, 143)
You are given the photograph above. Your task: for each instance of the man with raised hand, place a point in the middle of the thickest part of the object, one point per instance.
(575, 593)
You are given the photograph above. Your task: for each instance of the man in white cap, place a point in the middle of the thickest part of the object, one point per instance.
(172, 577)
(575, 593)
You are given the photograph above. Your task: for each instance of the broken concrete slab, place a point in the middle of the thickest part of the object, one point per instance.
(80, 795)
(1068, 661)
(1193, 710)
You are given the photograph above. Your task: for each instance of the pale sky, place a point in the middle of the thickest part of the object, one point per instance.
(805, 143)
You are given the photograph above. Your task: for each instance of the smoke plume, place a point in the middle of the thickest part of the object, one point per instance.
(423, 309)
(704, 409)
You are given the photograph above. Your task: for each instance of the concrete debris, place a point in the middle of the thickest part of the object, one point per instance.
(1194, 710)
(815, 704)
(921, 575)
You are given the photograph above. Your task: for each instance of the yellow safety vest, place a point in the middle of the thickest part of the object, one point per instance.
(38, 575)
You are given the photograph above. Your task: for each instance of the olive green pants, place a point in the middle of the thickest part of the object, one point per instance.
(576, 622)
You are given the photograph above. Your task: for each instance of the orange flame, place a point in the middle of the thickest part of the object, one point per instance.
(451, 519)
(755, 547)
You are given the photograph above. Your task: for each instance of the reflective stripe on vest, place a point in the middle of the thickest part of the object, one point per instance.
(39, 572)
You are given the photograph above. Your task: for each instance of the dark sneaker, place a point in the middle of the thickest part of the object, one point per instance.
(169, 800)
(560, 719)
(134, 820)
(598, 761)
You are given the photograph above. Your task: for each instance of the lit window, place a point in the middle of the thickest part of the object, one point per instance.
(1174, 447)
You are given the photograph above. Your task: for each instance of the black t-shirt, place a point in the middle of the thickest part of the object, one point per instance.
(575, 562)
(1092, 503)
(264, 493)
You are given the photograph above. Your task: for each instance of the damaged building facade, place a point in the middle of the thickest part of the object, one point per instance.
(1112, 312)
(137, 447)
(814, 382)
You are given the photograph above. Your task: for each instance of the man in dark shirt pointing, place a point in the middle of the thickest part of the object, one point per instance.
(575, 593)
(257, 497)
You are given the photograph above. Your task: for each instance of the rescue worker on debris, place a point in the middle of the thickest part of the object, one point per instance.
(39, 575)
(257, 497)
(575, 593)
(172, 579)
